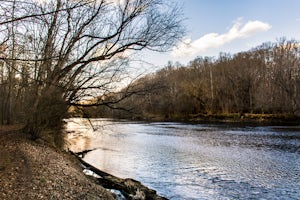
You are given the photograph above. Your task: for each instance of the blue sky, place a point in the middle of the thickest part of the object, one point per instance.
(231, 26)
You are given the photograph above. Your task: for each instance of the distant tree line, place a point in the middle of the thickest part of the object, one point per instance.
(263, 80)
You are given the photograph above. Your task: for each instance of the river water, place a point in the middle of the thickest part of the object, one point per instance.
(195, 161)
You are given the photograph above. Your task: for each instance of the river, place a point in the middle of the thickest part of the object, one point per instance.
(195, 161)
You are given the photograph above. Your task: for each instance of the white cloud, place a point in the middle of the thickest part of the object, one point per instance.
(187, 47)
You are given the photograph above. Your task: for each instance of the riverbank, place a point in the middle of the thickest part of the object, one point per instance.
(239, 118)
(35, 170)
(259, 119)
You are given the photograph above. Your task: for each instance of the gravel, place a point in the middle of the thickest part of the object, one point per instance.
(35, 170)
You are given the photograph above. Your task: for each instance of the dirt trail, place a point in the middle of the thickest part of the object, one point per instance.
(35, 170)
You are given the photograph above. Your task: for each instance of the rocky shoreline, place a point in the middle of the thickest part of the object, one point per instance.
(36, 170)
(129, 188)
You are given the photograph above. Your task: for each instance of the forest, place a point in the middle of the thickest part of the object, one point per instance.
(264, 80)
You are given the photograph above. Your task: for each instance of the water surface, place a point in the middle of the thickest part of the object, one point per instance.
(188, 161)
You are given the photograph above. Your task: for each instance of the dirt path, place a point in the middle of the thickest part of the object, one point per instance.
(34, 170)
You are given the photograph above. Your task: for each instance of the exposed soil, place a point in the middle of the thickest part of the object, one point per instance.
(35, 170)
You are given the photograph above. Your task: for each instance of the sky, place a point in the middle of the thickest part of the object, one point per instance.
(230, 26)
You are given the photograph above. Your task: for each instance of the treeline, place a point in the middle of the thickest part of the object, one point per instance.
(263, 80)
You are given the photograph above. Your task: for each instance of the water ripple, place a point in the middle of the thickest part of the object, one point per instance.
(185, 161)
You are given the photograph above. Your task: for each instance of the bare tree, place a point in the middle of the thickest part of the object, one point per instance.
(79, 49)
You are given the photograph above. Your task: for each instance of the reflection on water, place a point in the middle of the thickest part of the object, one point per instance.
(184, 161)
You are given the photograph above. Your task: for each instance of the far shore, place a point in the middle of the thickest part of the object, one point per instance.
(231, 118)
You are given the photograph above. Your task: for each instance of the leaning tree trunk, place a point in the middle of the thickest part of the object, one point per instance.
(46, 112)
